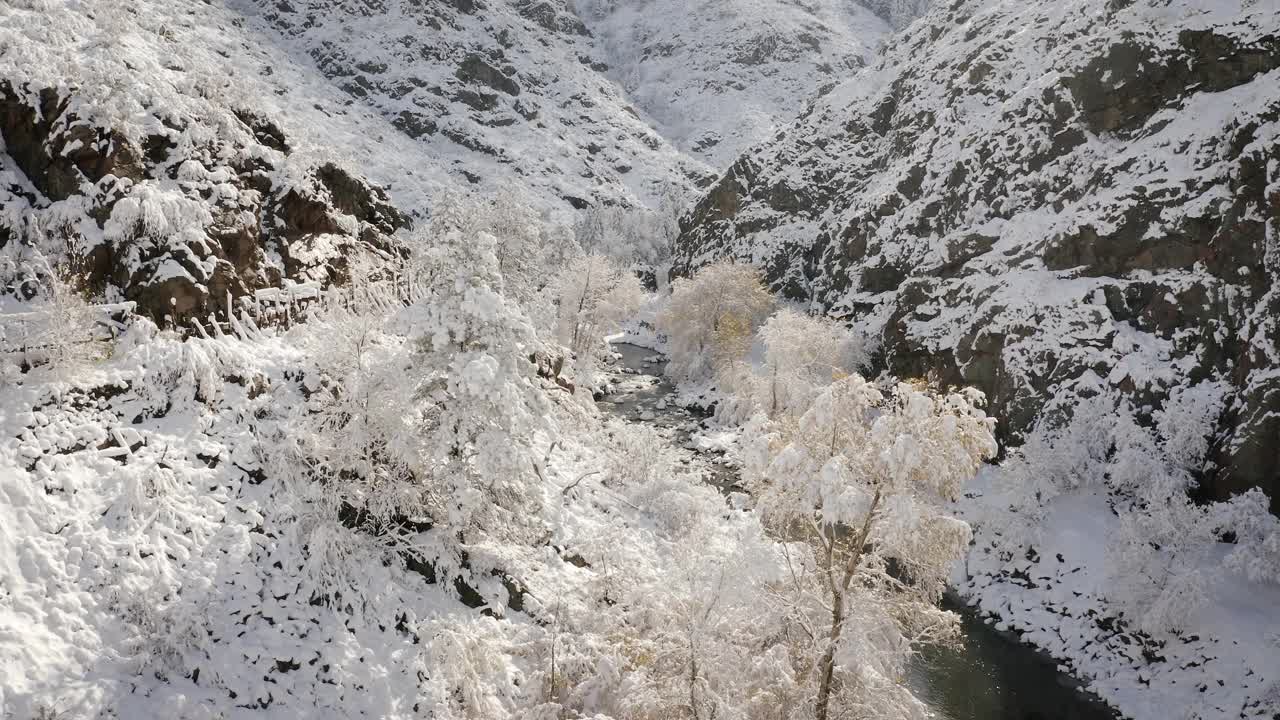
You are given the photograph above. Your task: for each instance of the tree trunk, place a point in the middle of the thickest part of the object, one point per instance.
(773, 407)
(827, 664)
(693, 681)
(582, 302)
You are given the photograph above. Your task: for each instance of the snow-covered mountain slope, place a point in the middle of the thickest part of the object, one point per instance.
(504, 91)
(1047, 201)
(203, 182)
(176, 539)
(718, 77)
(184, 151)
(898, 13)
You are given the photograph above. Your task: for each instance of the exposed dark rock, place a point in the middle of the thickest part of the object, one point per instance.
(266, 131)
(413, 124)
(550, 18)
(56, 150)
(475, 69)
(1123, 88)
(189, 272)
(355, 196)
(477, 100)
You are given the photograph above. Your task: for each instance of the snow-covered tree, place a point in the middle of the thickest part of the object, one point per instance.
(423, 441)
(711, 318)
(593, 294)
(801, 355)
(481, 407)
(692, 629)
(1162, 563)
(1160, 559)
(641, 237)
(528, 247)
(860, 479)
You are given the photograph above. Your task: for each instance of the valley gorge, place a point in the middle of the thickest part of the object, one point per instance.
(311, 402)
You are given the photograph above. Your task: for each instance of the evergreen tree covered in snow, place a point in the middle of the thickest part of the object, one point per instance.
(481, 407)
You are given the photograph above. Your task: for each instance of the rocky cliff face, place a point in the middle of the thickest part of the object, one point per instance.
(898, 13)
(1048, 201)
(170, 194)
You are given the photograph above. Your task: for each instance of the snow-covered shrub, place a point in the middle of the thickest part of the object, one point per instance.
(66, 336)
(1164, 561)
(1158, 559)
(469, 672)
(1257, 535)
(687, 625)
(711, 318)
(175, 372)
(694, 635)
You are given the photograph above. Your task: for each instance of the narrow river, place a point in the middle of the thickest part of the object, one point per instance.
(990, 676)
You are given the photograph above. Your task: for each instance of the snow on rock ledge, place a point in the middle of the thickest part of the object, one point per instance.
(184, 215)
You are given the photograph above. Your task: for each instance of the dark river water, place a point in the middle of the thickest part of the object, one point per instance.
(989, 676)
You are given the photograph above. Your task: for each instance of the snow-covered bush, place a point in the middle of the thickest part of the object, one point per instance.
(65, 338)
(469, 672)
(710, 319)
(1257, 535)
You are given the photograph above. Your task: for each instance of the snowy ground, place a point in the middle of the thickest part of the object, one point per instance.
(155, 563)
(1227, 664)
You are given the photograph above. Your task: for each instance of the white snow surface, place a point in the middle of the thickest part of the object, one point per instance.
(154, 564)
(492, 93)
(718, 77)
(1224, 663)
(141, 538)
